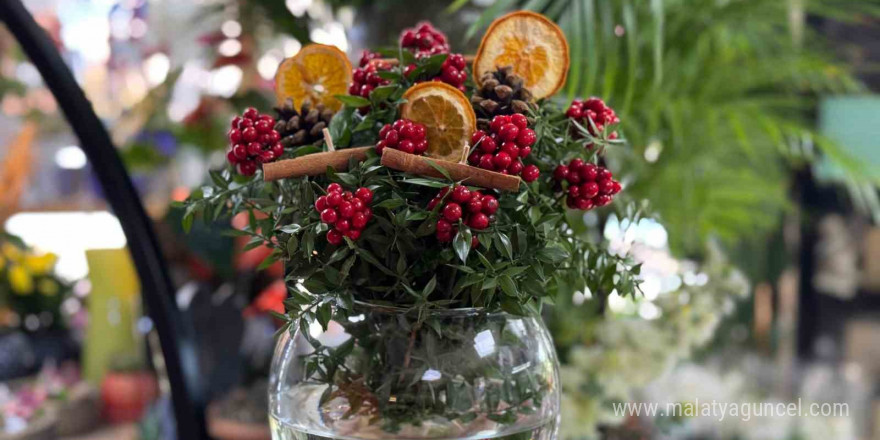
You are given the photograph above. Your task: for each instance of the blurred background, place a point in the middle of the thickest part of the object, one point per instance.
(753, 131)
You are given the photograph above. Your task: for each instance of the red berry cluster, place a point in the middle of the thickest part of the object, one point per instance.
(253, 141)
(424, 40)
(472, 207)
(452, 72)
(595, 109)
(404, 135)
(589, 186)
(366, 77)
(367, 56)
(502, 151)
(347, 212)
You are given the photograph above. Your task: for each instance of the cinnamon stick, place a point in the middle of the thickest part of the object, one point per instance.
(313, 164)
(469, 175)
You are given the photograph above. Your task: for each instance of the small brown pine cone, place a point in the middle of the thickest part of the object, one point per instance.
(304, 126)
(501, 92)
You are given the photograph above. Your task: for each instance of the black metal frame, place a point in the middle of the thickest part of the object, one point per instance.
(175, 334)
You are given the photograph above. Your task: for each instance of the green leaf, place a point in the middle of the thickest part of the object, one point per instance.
(324, 313)
(433, 183)
(429, 288)
(502, 243)
(508, 286)
(292, 245)
(353, 101)
(440, 169)
(462, 243)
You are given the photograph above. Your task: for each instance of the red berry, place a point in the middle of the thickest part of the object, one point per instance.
(574, 191)
(575, 164)
(250, 113)
(520, 120)
(477, 136)
(443, 226)
(364, 194)
(530, 173)
(278, 149)
(230, 157)
(334, 188)
(419, 132)
(247, 168)
(515, 168)
(490, 205)
(343, 225)
(329, 216)
(501, 161)
(420, 147)
(479, 221)
(254, 149)
(433, 203)
(267, 156)
(353, 234)
(452, 212)
(321, 203)
(359, 220)
(334, 199)
(399, 124)
(461, 194)
(249, 134)
(357, 204)
(240, 151)
(368, 212)
(574, 176)
(526, 137)
(486, 162)
(380, 147)
(487, 145)
(588, 172)
(334, 237)
(444, 237)
(346, 209)
(604, 174)
(615, 188)
(497, 123)
(234, 135)
(589, 190)
(560, 173)
(407, 146)
(583, 203)
(510, 148)
(384, 131)
(605, 186)
(602, 200)
(475, 205)
(508, 132)
(474, 242)
(392, 138)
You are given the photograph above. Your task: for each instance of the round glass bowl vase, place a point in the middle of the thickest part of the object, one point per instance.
(383, 373)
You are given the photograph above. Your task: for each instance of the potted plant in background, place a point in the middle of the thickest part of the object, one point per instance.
(424, 218)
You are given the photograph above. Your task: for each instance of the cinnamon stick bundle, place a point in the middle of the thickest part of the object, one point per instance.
(313, 164)
(469, 175)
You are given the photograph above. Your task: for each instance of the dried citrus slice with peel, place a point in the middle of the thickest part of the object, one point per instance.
(530, 43)
(447, 115)
(316, 73)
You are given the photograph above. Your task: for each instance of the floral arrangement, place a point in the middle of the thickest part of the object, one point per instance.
(424, 180)
(28, 285)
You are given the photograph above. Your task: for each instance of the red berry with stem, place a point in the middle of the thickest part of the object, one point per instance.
(461, 194)
(452, 212)
(329, 216)
(334, 237)
(479, 221)
(365, 195)
(530, 173)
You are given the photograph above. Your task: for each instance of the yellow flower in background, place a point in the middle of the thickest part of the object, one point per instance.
(20, 280)
(12, 252)
(40, 264)
(48, 287)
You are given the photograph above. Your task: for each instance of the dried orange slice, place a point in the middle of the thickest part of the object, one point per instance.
(447, 115)
(316, 73)
(532, 44)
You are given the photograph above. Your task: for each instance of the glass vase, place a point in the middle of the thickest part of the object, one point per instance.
(385, 373)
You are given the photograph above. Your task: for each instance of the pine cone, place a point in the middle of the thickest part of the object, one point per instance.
(501, 93)
(303, 127)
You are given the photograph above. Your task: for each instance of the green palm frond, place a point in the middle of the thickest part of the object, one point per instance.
(721, 87)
